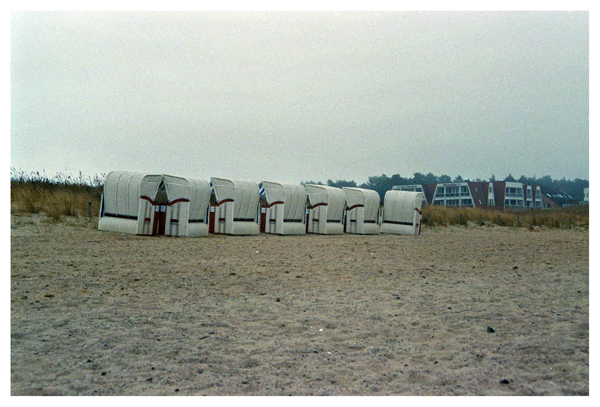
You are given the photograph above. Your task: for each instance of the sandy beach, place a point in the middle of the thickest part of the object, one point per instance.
(454, 311)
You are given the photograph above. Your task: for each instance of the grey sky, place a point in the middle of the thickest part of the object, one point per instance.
(297, 96)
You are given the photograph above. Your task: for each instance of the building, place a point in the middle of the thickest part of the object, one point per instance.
(494, 194)
(559, 199)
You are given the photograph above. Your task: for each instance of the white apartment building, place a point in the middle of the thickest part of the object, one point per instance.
(499, 194)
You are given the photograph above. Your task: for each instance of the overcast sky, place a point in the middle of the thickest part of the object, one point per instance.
(297, 96)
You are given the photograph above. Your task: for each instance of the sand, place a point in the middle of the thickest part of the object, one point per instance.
(454, 311)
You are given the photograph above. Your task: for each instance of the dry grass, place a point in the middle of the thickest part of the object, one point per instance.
(55, 202)
(64, 196)
(56, 197)
(561, 218)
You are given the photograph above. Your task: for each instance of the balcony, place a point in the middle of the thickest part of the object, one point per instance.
(439, 194)
(514, 195)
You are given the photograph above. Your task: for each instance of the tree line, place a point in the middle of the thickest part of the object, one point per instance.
(383, 183)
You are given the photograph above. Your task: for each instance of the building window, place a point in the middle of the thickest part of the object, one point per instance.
(452, 191)
(514, 193)
(517, 203)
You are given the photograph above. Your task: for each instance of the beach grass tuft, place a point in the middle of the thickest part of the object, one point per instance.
(558, 218)
(58, 196)
(63, 195)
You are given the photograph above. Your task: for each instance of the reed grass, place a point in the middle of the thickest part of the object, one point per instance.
(57, 197)
(560, 218)
(63, 195)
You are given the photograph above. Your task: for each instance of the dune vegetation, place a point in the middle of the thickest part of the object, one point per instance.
(57, 197)
(560, 218)
(63, 195)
